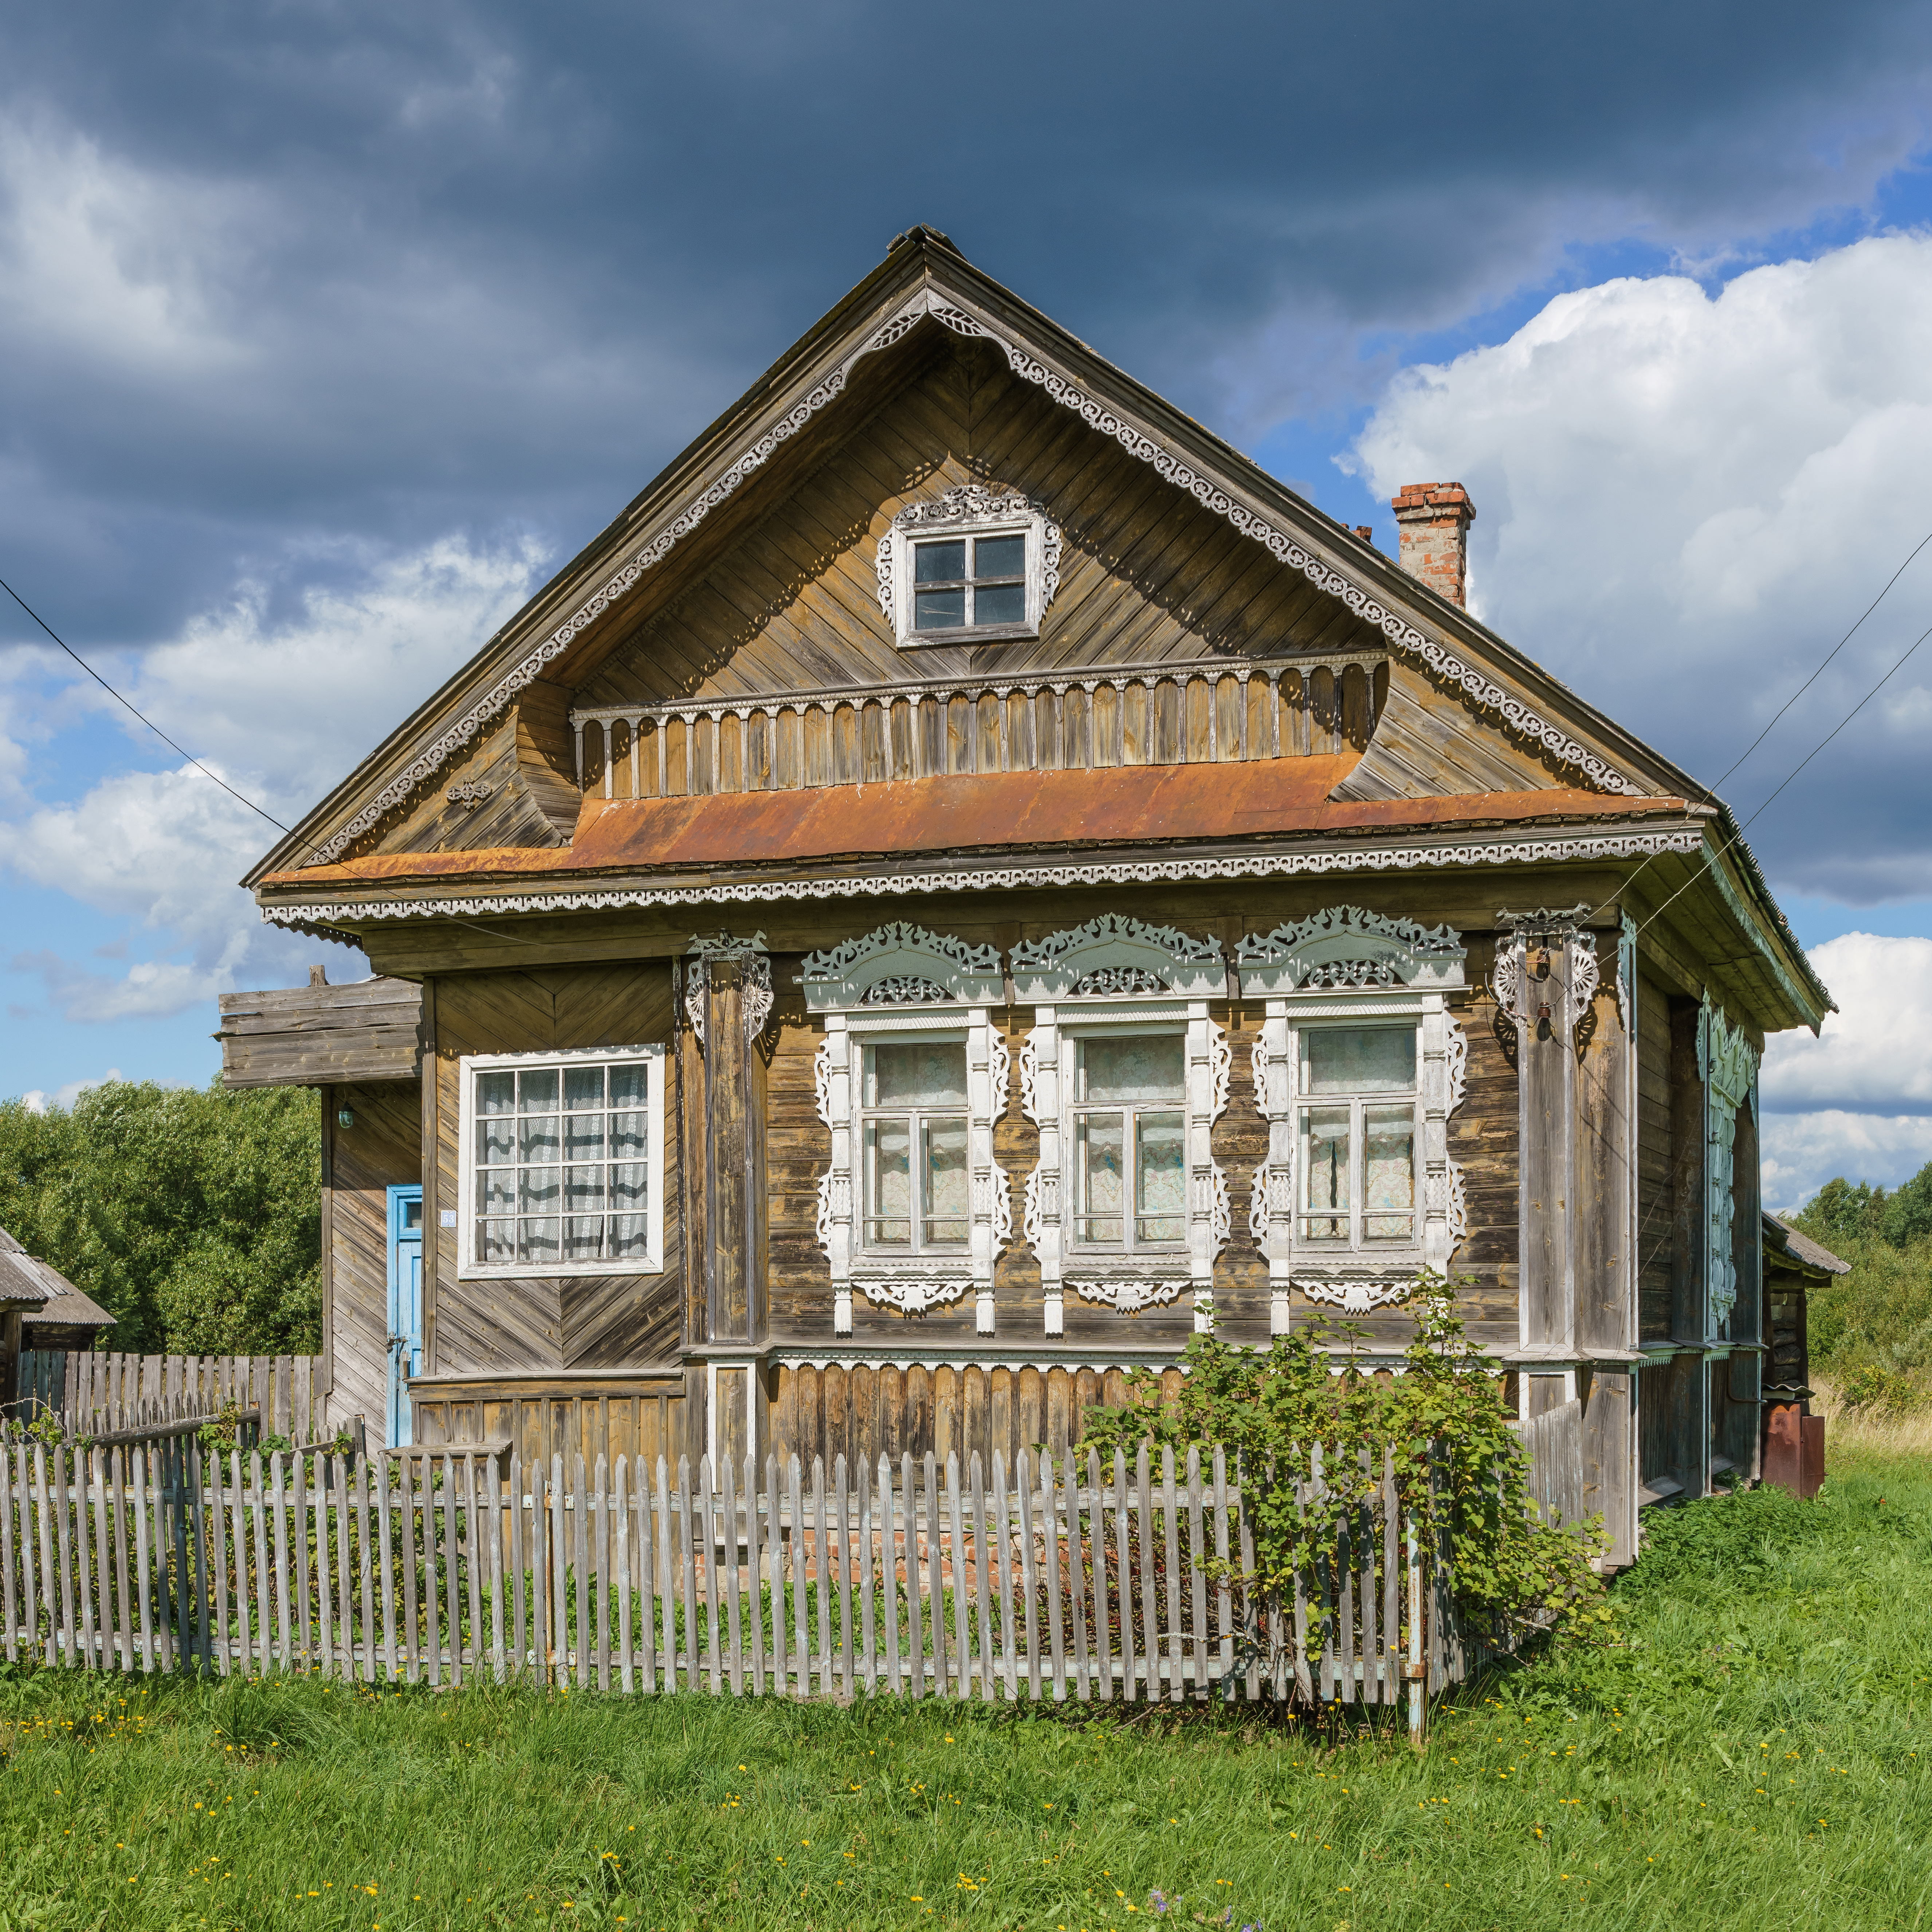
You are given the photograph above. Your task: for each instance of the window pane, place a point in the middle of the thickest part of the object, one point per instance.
(537, 1242)
(938, 609)
(536, 1093)
(1388, 1174)
(538, 1188)
(945, 1181)
(583, 1136)
(1358, 1059)
(496, 1241)
(1160, 1178)
(583, 1087)
(628, 1185)
(496, 1093)
(627, 1141)
(1144, 1066)
(999, 556)
(889, 1182)
(938, 562)
(1099, 1144)
(537, 1138)
(1325, 1179)
(499, 1188)
(630, 1238)
(919, 1074)
(496, 1139)
(412, 1213)
(584, 1238)
(999, 603)
(584, 1190)
(629, 1086)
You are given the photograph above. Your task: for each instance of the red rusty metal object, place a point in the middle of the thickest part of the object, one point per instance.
(1139, 805)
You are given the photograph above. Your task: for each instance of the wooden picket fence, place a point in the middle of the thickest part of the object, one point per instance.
(1079, 1581)
(105, 1393)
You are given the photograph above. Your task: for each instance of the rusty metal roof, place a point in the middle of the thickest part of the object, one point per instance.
(1138, 805)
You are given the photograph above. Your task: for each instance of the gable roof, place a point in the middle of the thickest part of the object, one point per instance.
(1790, 1244)
(764, 441)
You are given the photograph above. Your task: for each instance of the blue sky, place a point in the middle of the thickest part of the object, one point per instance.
(325, 330)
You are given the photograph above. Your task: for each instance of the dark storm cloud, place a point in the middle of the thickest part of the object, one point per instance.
(407, 270)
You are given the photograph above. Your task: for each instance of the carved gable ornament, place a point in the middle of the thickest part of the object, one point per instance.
(1343, 946)
(1113, 956)
(901, 964)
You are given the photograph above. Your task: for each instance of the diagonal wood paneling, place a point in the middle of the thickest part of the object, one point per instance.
(535, 1322)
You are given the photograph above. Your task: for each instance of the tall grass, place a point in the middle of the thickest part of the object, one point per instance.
(1755, 1739)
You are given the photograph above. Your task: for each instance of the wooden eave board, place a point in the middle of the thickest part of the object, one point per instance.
(941, 277)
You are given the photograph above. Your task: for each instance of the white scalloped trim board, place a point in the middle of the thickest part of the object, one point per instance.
(1516, 852)
(1404, 635)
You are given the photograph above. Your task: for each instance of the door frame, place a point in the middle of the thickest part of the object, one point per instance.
(403, 1349)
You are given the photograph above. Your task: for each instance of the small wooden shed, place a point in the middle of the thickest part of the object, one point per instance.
(1793, 1452)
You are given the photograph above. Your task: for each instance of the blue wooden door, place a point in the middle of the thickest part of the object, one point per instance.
(406, 1321)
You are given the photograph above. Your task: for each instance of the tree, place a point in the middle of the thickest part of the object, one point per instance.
(1908, 1214)
(1841, 1212)
(193, 1216)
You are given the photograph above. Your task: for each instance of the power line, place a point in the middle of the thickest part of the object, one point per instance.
(130, 706)
(1710, 791)
(1732, 844)
(129, 703)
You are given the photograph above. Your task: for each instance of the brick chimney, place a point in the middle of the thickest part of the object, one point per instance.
(1433, 520)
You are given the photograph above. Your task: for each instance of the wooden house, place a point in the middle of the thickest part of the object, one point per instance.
(968, 880)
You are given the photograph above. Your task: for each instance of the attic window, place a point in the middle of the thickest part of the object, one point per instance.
(968, 567)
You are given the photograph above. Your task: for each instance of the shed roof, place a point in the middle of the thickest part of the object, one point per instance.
(1784, 1240)
(24, 1281)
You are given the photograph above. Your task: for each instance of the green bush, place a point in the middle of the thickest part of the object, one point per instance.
(1460, 1466)
(193, 1216)
(1871, 1331)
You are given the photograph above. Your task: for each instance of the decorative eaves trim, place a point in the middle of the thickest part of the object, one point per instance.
(1000, 878)
(1319, 571)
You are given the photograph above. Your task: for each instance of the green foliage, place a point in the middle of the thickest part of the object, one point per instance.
(1841, 1212)
(193, 1216)
(1460, 1468)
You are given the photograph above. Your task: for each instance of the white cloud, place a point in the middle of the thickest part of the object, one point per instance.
(1801, 1152)
(282, 705)
(37, 1099)
(1684, 499)
(1875, 1053)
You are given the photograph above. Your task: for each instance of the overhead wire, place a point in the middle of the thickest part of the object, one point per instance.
(240, 797)
(1710, 791)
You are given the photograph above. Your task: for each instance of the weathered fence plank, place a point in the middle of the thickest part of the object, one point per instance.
(1041, 1581)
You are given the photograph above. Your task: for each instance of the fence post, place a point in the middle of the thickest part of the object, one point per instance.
(1418, 1688)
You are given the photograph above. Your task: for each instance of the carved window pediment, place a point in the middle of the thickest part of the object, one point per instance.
(1343, 946)
(1114, 956)
(886, 991)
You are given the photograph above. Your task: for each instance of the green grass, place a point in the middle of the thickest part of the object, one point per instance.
(1755, 1747)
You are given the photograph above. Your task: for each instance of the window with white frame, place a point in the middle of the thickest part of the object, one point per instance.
(1356, 1138)
(912, 1113)
(1125, 1074)
(1128, 1129)
(563, 1163)
(913, 1211)
(1359, 1064)
(968, 567)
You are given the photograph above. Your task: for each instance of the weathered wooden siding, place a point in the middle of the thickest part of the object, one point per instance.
(320, 1035)
(547, 1322)
(383, 1150)
(538, 1416)
(1655, 1218)
(948, 1409)
(1483, 1135)
(1148, 575)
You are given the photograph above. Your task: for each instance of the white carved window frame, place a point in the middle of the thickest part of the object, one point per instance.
(971, 510)
(1346, 966)
(653, 1059)
(1116, 975)
(1727, 1063)
(900, 983)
